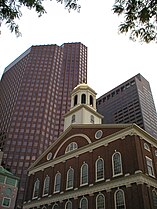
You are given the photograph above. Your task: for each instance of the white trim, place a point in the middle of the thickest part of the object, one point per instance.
(75, 135)
(47, 177)
(96, 166)
(115, 198)
(147, 158)
(35, 197)
(97, 199)
(83, 198)
(57, 191)
(138, 178)
(146, 146)
(113, 169)
(67, 188)
(55, 205)
(67, 203)
(9, 202)
(83, 184)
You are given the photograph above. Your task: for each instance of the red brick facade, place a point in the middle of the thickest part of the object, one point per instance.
(136, 180)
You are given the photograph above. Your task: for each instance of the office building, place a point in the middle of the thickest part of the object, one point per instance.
(35, 94)
(93, 165)
(130, 102)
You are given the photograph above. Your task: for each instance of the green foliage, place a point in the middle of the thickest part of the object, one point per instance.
(10, 10)
(139, 19)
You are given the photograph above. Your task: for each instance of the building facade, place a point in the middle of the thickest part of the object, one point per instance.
(8, 188)
(35, 94)
(93, 165)
(130, 102)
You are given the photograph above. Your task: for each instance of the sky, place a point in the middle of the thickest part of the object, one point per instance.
(112, 57)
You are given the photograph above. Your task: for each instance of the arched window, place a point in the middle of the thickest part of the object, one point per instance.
(72, 146)
(55, 206)
(91, 100)
(70, 178)
(73, 119)
(119, 199)
(68, 205)
(92, 119)
(36, 188)
(75, 100)
(57, 183)
(116, 164)
(83, 203)
(100, 201)
(46, 185)
(154, 195)
(84, 174)
(99, 168)
(83, 99)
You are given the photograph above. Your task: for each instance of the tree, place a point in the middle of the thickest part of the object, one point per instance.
(139, 16)
(10, 10)
(139, 19)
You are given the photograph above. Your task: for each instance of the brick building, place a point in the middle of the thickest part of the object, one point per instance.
(93, 165)
(35, 94)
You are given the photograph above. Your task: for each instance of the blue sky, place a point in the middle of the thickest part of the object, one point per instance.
(112, 58)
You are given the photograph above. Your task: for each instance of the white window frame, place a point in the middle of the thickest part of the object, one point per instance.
(72, 146)
(146, 147)
(81, 176)
(115, 199)
(46, 178)
(67, 204)
(55, 205)
(4, 200)
(37, 181)
(113, 167)
(150, 166)
(100, 194)
(96, 170)
(67, 181)
(55, 182)
(154, 195)
(83, 198)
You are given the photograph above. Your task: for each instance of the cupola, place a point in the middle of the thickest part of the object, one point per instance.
(83, 107)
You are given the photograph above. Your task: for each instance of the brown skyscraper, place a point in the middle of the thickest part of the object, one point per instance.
(35, 94)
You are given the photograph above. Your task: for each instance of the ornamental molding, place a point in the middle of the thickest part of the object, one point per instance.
(126, 181)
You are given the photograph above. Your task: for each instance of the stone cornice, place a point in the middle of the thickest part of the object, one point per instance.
(138, 178)
(130, 130)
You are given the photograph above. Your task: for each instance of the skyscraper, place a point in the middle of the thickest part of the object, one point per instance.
(35, 94)
(130, 102)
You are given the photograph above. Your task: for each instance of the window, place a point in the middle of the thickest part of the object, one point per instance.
(83, 99)
(68, 205)
(146, 146)
(84, 174)
(149, 166)
(72, 146)
(91, 100)
(83, 203)
(99, 169)
(57, 184)
(55, 206)
(6, 202)
(92, 119)
(36, 189)
(70, 178)
(75, 100)
(46, 185)
(154, 196)
(116, 164)
(100, 201)
(73, 119)
(119, 199)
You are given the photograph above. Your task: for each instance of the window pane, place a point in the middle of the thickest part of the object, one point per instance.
(84, 174)
(120, 200)
(100, 202)
(83, 203)
(117, 167)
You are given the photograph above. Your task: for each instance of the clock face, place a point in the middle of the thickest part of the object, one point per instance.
(49, 156)
(98, 134)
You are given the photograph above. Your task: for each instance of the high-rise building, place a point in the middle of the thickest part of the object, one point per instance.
(130, 102)
(35, 94)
